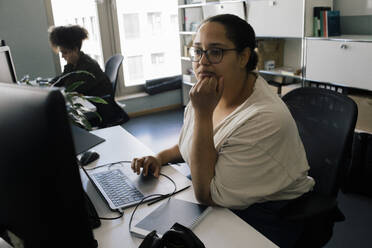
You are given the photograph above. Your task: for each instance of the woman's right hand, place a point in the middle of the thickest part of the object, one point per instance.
(148, 163)
(206, 94)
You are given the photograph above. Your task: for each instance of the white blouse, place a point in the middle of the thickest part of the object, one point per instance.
(260, 154)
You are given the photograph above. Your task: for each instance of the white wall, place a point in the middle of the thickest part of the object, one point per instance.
(23, 26)
(354, 7)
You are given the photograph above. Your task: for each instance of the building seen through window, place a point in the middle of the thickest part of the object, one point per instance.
(149, 39)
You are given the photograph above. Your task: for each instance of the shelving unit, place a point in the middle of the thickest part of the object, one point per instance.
(340, 61)
(292, 22)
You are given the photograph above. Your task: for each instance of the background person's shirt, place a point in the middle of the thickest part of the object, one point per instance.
(260, 154)
(98, 86)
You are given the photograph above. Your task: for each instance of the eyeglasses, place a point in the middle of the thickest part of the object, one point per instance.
(214, 55)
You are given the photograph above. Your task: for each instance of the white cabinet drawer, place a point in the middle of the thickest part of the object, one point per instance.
(235, 8)
(280, 18)
(338, 62)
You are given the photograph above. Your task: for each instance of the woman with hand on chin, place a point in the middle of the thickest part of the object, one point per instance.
(238, 137)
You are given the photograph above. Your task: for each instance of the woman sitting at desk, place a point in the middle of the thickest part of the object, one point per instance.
(238, 137)
(68, 41)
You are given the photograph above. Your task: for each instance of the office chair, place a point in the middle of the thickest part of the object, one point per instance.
(112, 69)
(326, 121)
(112, 113)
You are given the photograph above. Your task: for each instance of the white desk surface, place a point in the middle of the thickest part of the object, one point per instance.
(220, 228)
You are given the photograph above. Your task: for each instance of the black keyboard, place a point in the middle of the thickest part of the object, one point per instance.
(118, 187)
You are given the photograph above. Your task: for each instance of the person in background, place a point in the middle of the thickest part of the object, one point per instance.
(68, 41)
(238, 138)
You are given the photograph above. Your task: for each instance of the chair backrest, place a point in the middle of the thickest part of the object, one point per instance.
(112, 68)
(326, 121)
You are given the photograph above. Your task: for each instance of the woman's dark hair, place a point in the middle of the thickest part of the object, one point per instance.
(240, 33)
(69, 37)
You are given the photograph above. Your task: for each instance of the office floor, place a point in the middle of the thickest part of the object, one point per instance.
(160, 130)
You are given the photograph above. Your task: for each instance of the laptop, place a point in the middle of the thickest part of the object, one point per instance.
(121, 188)
(83, 139)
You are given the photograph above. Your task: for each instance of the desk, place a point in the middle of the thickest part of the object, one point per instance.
(220, 228)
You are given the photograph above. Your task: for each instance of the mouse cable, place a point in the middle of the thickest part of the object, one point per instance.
(121, 212)
(109, 164)
(118, 162)
(158, 196)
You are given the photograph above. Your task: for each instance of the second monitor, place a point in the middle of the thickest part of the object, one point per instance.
(7, 69)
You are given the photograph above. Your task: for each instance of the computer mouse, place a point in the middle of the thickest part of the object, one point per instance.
(88, 157)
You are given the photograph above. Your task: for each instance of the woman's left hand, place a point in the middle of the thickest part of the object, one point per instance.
(206, 94)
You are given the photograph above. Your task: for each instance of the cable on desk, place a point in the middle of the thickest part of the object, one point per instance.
(121, 212)
(155, 198)
(160, 196)
(109, 165)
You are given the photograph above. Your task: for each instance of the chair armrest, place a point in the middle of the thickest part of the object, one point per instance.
(121, 105)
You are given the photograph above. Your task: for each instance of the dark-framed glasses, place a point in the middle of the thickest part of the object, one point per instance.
(214, 55)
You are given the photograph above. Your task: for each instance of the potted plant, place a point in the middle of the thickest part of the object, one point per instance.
(74, 100)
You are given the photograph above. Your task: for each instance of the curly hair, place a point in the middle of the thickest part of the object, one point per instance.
(69, 37)
(240, 33)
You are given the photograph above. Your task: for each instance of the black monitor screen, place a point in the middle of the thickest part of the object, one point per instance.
(40, 187)
(7, 71)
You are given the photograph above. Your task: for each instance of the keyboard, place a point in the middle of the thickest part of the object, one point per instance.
(117, 187)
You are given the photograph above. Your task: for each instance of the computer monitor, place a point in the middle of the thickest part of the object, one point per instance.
(42, 199)
(7, 70)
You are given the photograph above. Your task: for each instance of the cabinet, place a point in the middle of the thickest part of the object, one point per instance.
(276, 18)
(289, 21)
(283, 18)
(344, 61)
(339, 60)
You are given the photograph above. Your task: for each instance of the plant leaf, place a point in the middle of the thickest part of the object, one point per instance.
(73, 86)
(98, 115)
(70, 73)
(96, 99)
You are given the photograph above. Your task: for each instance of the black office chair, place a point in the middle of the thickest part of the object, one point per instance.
(326, 121)
(112, 112)
(112, 69)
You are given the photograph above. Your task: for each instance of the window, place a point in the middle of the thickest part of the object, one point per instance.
(150, 30)
(135, 68)
(131, 26)
(145, 32)
(157, 58)
(93, 28)
(154, 21)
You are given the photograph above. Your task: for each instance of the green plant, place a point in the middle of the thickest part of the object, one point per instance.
(74, 100)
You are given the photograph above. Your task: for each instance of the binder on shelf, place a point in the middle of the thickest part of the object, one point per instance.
(333, 23)
(171, 211)
(324, 27)
(317, 20)
(193, 17)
